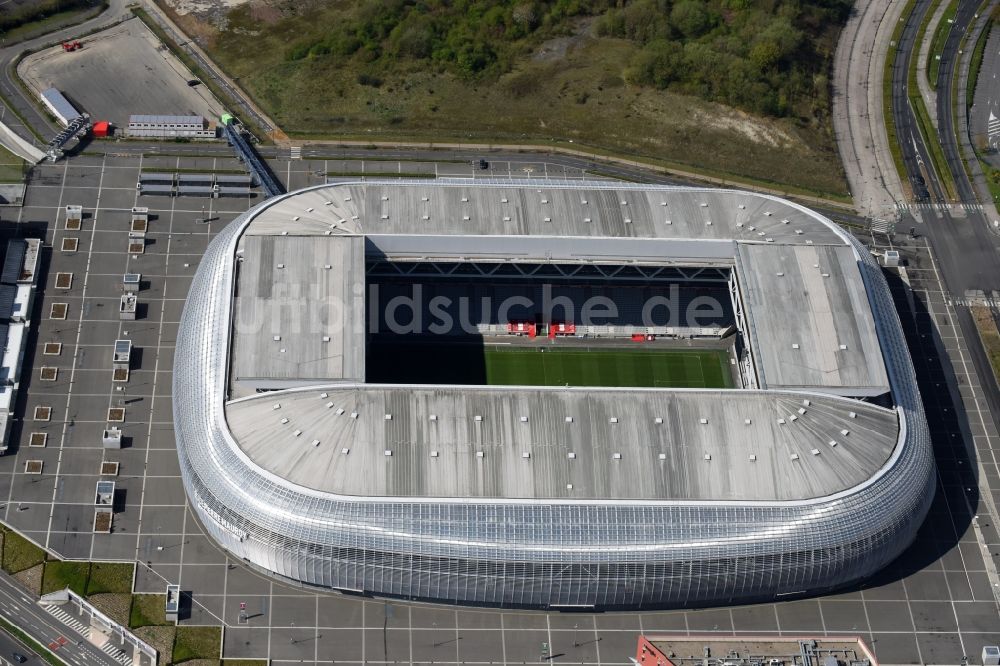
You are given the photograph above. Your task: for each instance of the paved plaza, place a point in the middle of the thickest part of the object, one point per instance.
(934, 605)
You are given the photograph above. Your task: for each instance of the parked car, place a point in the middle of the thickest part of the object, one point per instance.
(18, 657)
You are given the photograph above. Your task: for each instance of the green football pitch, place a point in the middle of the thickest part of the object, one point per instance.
(549, 365)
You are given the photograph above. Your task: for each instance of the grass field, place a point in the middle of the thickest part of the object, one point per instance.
(433, 363)
(568, 89)
(11, 167)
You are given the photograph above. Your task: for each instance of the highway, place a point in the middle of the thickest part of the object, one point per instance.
(967, 252)
(9, 645)
(26, 615)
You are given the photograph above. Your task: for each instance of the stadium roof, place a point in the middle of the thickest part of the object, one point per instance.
(808, 319)
(543, 209)
(303, 437)
(809, 315)
(287, 327)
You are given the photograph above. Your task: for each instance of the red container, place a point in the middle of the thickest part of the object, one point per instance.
(102, 128)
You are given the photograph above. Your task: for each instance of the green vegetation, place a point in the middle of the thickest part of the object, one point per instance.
(59, 575)
(23, 14)
(992, 179)
(53, 22)
(475, 363)
(35, 646)
(673, 79)
(989, 335)
(197, 643)
(976, 64)
(110, 577)
(556, 366)
(938, 40)
(19, 553)
(148, 610)
(12, 167)
(759, 57)
(86, 578)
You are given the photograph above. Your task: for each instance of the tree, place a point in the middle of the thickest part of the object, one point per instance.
(691, 17)
(764, 55)
(659, 63)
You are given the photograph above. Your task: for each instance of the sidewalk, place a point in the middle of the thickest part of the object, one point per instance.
(858, 107)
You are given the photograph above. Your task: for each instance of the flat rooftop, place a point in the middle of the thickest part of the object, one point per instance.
(299, 314)
(743, 651)
(534, 209)
(808, 320)
(808, 314)
(571, 437)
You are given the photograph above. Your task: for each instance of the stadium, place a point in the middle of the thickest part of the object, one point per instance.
(537, 394)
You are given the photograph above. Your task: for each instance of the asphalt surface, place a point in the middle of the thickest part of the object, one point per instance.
(987, 97)
(934, 605)
(11, 91)
(9, 645)
(967, 252)
(857, 110)
(25, 614)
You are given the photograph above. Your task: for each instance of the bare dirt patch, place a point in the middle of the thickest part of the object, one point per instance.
(161, 638)
(31, 578)
(116, 605)
(102, 522)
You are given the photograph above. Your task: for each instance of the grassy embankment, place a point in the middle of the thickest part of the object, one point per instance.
(107, 585)
(567, 82)
(988, 335)
(12, 167)
(923, 115)
(46, 23)
(938, 40)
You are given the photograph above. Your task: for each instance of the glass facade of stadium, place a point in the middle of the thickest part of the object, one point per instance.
(537, 553)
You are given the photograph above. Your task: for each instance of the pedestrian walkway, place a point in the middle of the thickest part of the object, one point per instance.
(939, 206)
(69, 620)
(100, 640)
(115, 653)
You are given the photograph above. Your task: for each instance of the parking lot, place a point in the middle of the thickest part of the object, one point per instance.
(936, 604)
(117, 72)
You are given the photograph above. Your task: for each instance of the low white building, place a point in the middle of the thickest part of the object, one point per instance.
(168, 127)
